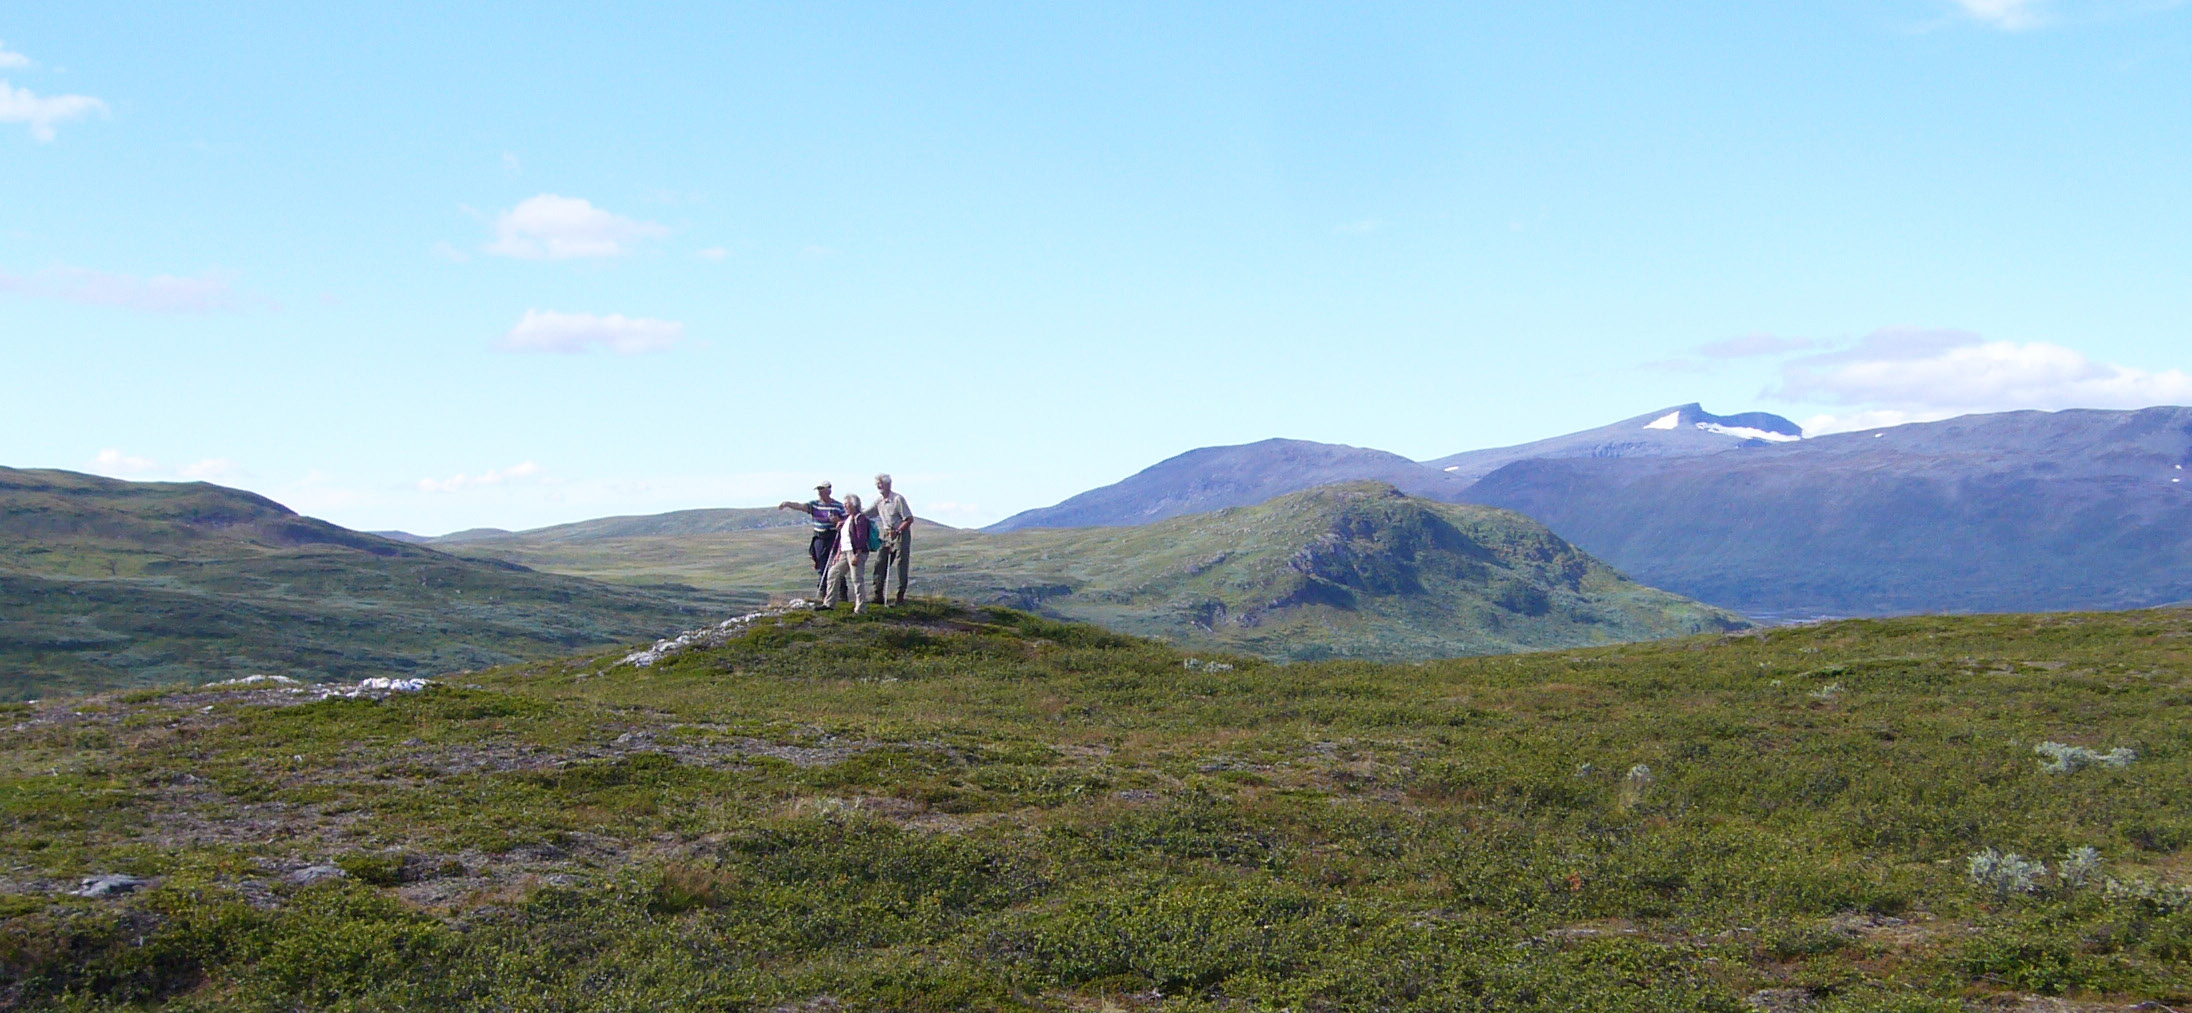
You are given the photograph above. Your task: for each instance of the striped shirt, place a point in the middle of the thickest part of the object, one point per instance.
(825, 515)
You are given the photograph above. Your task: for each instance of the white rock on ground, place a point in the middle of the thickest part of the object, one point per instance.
(110, 885)
(249, 679)
(709, 636)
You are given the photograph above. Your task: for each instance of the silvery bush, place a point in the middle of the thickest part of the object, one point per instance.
(2004, 873)
(2068, 759)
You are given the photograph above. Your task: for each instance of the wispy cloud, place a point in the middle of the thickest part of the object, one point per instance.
(21, 105)
(13, 61)
(207, 293)
(115, 463)
(1912, 374)
(712, 253)
(544, 331)
(550, 227)
(2007, 15)
(492, 476)
(1357, 228)
(1753, 346)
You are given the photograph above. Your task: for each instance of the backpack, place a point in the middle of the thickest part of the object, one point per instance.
(875, 536)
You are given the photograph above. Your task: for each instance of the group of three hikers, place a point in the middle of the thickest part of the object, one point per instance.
(845, 535)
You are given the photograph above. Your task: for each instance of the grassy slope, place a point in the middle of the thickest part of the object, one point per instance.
(676, 522)
(1344, 570)
(106, 583)
(937, 808)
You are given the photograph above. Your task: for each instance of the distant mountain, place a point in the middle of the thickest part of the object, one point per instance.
(109, 583)
(677, 522)
(2016, 511)
(1213, 478)
(1682, 431)
(402, 536)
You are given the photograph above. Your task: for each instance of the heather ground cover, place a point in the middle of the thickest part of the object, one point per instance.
(946, 807)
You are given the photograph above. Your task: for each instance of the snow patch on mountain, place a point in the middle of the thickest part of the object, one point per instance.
(1712, 424)
(1748, 433)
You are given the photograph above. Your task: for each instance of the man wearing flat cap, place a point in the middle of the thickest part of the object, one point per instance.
(825, 513)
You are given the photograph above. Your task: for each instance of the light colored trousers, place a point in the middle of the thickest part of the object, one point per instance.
(846, 569)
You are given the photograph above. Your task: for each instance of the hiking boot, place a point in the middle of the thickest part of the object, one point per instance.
(900, 600)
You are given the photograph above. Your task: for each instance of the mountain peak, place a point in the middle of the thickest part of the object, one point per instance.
(1764, 427)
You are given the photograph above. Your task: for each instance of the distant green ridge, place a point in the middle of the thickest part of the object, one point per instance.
(110, 583)
(676, 522)
(1350, 570)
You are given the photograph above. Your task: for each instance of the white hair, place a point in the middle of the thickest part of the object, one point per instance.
(852, 502)
(883, 478)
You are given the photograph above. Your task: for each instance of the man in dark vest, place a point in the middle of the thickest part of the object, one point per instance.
(825, 512)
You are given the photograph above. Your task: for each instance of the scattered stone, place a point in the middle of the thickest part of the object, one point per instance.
(1780, 1000)
(1857, 923)
(709, 636)
(314, 873)
(249, 679)
(110, 885)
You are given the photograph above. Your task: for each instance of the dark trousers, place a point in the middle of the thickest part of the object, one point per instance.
(896, 552)
(819, 549)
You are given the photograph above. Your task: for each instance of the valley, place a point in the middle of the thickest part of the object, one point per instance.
(1352, 570)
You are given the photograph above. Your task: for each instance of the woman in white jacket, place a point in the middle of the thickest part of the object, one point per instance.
(849, 566)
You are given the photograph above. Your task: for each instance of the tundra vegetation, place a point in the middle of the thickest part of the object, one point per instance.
(948, 807)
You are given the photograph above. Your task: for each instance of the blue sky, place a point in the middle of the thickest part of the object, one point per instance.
(402, 266)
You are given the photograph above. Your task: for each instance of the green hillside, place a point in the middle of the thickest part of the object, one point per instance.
(676, 522)
(109, 583)
(947, 808)
(1356, 570)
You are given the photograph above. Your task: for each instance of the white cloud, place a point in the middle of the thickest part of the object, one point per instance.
(21, 105)
(2008, 15)
(1357, 228)
(541, 331)
(549, 227)
(1879, 418)
(492, 476)
(712, 253)
(211, 469)
(12, 61)
(1911, 375)
(158, 294)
